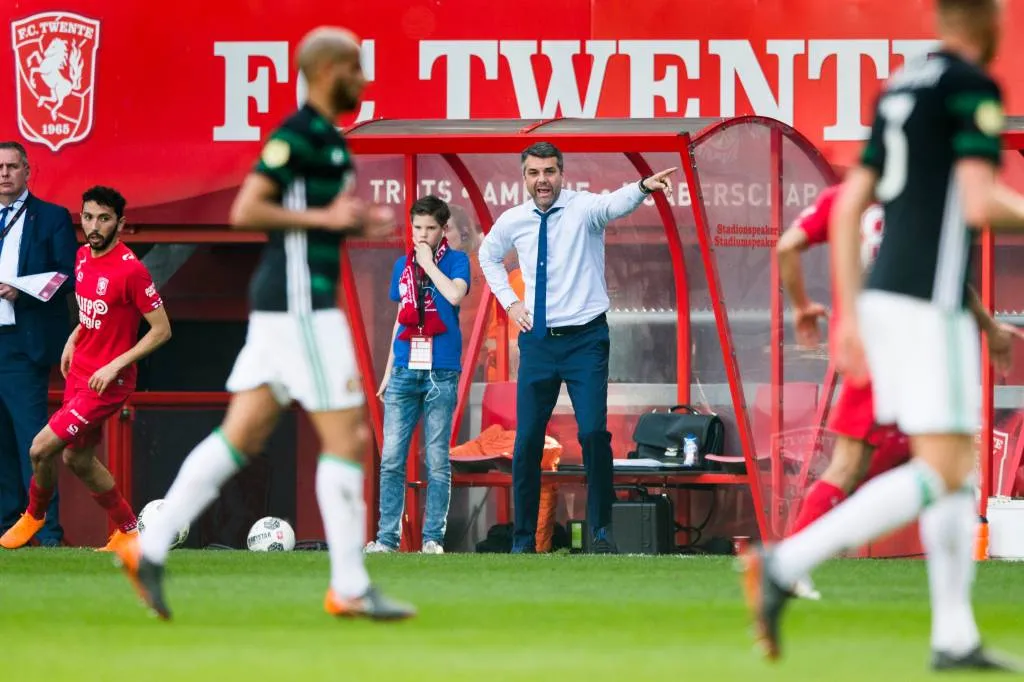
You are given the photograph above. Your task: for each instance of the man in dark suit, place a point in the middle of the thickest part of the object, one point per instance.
(35, 237)
(559, 236)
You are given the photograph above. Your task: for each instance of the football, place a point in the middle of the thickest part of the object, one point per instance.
(149, 513)
(271, 534)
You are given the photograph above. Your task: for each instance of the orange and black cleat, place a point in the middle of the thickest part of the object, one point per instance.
(146, 577)
(372, 605)
(766, 600)
(21, 532)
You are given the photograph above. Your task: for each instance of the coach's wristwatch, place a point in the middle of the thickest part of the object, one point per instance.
(643, 187)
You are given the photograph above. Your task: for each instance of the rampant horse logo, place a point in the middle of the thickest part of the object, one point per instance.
(55, 67)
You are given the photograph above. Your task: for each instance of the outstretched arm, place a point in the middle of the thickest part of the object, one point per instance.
(623, 201)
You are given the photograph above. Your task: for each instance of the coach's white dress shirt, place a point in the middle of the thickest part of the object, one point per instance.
(9, 251)
(576, 288)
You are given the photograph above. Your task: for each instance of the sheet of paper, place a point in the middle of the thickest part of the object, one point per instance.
(42, 286)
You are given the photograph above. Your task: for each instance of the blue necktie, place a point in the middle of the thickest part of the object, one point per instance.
(3, 223)
(540, 296)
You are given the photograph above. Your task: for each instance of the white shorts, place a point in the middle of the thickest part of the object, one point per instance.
(307, 358)
(925, 364)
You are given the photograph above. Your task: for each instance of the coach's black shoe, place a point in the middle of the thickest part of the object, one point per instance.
(603, 543)
(146, 577)
(766, 599)
(977, 659)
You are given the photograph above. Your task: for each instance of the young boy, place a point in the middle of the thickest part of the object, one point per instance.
(422, 374)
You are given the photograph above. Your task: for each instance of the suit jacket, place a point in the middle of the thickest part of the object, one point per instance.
(47, 244)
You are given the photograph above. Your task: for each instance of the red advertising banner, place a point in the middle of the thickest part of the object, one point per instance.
(169, 101)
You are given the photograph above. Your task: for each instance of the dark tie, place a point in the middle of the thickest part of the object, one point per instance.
(540, 295)
(3, 223)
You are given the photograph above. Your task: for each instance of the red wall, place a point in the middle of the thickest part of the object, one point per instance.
(166, 117)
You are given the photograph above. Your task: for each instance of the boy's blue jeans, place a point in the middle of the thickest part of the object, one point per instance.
(410, 393)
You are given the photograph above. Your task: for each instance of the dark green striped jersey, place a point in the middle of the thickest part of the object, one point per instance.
(308, 160)
(935, 111)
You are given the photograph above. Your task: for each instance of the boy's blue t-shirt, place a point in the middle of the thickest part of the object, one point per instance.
(448, 346)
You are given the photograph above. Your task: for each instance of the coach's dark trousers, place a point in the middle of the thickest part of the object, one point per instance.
(580, 359)
(23, 413)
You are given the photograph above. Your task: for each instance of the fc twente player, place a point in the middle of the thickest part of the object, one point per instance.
(114, 293)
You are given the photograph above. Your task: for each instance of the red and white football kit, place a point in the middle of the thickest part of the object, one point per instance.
(114, 291)
(854, 413)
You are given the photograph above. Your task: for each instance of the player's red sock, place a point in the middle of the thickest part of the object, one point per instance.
(819, 500)
(118, 509)
(38, 500)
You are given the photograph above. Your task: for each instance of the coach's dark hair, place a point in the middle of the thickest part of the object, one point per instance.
(542, 150)
(431, 206)
(16, 146)
(106, 196)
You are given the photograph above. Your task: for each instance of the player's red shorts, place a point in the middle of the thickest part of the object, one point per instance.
(79, 421)
(854, 417)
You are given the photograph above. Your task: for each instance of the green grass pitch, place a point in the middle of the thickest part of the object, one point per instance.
(70, 615)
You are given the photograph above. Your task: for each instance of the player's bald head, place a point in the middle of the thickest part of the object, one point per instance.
(325, 45)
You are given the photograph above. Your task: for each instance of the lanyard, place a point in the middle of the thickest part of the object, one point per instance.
(10, 223)
(421, 296)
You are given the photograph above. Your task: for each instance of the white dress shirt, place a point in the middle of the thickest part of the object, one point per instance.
(9, 256)
(576, 288)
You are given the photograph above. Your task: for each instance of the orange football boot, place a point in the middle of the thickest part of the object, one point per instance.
(766, 600)
(21, 532)
(146, 577)
(117, 539)
(372, 604)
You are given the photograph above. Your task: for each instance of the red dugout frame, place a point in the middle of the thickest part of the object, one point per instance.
(632, 138)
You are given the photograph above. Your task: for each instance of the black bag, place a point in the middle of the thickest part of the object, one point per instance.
(498, 540)
(661, 435)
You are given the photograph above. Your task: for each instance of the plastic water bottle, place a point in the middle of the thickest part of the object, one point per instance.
(690, 449)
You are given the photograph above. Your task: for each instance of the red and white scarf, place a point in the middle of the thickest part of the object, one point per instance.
(409, 283)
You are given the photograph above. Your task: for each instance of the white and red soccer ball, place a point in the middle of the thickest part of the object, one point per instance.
(271, 534)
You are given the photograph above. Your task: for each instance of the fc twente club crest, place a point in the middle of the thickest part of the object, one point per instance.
(55, 70)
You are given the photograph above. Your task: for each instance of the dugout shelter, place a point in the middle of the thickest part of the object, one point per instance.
(697, 317)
